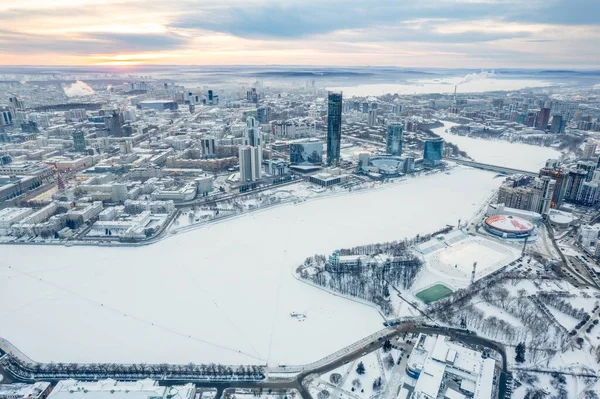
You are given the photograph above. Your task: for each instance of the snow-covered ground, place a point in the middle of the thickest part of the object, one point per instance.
(498, 152)
(221, 293)
(457, 260)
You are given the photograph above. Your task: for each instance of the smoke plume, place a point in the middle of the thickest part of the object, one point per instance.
(78, 88)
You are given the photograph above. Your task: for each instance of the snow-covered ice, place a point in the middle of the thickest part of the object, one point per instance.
(221, 293)
(498, 152)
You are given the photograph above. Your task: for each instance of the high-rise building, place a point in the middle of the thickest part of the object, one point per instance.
(409, 164)
(559, 124)
(263, 114)
(365, 108)
(372, 117)
(543, 117)
(114, 124)
(78, 141)
(543, 190)
(252, 136)
(208, 146)
(515, 197)
(589, 167)
(6, 118)
(433, 152)
(397, 109)
(589, 150)
(211, 98)
(394, 138)
(250, 163)
(334, 127)
(252, 96)
(588, 195)
(559, 175)
(16, 103)
(575, 180)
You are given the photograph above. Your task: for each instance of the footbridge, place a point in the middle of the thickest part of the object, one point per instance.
(493, 168)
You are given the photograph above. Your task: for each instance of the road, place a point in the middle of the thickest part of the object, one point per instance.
(347, 355)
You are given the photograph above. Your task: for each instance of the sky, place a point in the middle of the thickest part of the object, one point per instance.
(413, 33)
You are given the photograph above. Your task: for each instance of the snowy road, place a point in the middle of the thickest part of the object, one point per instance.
(223, 293)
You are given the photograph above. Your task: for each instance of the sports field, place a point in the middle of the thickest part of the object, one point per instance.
(434, 293)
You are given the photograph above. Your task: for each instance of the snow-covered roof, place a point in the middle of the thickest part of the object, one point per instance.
(430, 378)
(111, 389)
(485, 385)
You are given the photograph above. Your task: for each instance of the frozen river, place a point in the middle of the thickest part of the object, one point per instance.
(498, 152)
(223, 293)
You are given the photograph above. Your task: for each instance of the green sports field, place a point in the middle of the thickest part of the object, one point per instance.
(434, 293)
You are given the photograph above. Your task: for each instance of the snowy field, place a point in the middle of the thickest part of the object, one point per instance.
(457, 260)
(499, 152)
(221, 293)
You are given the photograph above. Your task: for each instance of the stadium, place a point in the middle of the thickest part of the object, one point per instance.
(508, 226)
(449, 261)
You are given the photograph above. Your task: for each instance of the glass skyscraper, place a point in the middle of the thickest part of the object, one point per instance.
(334, 128)
(394, 138)
(434, 151)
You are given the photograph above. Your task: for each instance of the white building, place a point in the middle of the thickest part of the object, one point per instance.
(250, 163)
(10, 216)
(119, 192)
(138, 206)
(111, 389)
(38, 390)
(588, 235)
(435, 360)
(85, 211)
(205, 184)
(182, 194)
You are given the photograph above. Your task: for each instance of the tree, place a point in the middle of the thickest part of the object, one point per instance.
(377, 384)
(387, 346)
(335, 378)
(580, 342)
(324, 394)
(386, 291)
(388, 361)
(520, 349)
(360, 369)
(356, 383)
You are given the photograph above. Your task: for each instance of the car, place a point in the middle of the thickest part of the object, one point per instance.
(364, 353)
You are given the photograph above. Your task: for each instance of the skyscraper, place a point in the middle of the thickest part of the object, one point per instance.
(114, 124)
(208, 146)
(250, 163)
(543, 190)
(78, 141)
(334, 128)
(589, 150)
(542, 119)
(558, 124)
(433, 152)
(252, 136)
(372, 117)
(394, 138)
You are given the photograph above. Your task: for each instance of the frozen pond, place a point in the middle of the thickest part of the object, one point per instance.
(501, 153)
(222, 293)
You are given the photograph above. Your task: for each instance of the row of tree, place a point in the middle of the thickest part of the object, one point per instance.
(141, 370)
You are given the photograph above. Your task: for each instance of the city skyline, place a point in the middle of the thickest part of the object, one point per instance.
(477, 33)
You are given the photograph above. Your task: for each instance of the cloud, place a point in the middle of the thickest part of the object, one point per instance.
(78, 88)
(89, 43)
